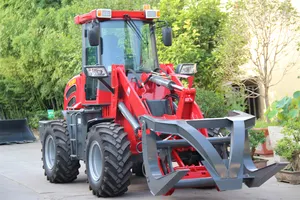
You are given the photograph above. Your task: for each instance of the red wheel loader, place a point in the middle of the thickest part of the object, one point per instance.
(126, 113)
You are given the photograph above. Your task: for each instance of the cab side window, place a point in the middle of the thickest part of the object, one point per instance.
(91, 53)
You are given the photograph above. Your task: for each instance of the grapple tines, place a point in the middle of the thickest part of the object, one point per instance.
(225, 174)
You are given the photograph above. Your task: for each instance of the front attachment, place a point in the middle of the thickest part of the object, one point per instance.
(225, 174)
(15, 131)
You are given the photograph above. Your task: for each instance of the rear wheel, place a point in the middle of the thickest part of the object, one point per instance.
(139, 169)
(57, 163)
(108, 160)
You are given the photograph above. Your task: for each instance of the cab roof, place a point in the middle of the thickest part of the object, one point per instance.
(107, 14)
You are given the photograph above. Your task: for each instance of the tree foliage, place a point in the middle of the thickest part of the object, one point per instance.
(204, 33)
(40, 46)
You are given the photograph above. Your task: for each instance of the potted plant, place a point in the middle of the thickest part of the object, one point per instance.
(289, 148)
(280, 112)
(264, 148)
(256, 138)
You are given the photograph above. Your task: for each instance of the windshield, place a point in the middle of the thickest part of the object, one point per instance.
(122, 44)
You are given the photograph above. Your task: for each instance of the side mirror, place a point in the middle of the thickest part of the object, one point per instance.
(95, 71)
(167, 36)
(94, 34)
(186, 69)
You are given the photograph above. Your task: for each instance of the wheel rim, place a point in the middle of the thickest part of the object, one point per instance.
(95, 161)
(50, 152)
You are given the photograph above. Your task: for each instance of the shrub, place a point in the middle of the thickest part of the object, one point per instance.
(289, 146)
(218, 104)
(35, 117)
(286, 109)
(263, 124)
(256, 138)
(211, 104)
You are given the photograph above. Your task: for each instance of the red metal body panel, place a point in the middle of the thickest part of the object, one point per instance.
(79, 81)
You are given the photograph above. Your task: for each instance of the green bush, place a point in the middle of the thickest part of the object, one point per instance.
(264, 124)
(58, 114)
(218, 104)
(35, 117)
(211, 103)
(235, 100)
(256, 138)
(289, 146)
(286, 109)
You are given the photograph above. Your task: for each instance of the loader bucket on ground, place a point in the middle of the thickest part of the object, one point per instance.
(15, 131)
(225, 174)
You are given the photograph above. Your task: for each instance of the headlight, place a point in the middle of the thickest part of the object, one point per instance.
(97, 71)
(187, 69)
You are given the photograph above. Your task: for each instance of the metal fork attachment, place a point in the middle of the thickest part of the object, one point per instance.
(226, 174)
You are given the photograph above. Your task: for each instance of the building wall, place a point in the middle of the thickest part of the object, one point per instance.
(291, 81)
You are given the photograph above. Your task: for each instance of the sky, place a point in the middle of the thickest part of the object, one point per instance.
(296, 3)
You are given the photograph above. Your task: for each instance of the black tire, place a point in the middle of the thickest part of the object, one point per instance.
(138, 169)
(64, 169)
(113, 177)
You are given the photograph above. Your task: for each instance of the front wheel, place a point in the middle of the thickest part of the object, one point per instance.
(56, 154)
(108, 160)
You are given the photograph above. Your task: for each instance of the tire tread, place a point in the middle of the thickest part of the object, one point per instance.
(117, 162)
(66, 170)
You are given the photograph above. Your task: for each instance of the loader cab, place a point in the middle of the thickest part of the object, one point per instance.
(127, 42)
(121, 43)
(119, 37)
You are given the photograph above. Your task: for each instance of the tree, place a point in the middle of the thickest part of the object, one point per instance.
(40, 50)
(40, 46)
(272, 25)
(205, 34)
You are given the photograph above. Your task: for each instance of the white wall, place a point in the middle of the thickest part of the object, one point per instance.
(291, 81)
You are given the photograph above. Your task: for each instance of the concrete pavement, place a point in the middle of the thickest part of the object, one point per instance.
(22, 178)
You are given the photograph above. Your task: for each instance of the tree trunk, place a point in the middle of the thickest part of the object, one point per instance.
(296, 162)
(267, 101)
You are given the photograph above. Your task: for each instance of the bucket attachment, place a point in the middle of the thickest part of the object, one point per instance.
(225, 174)
(15, 131)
